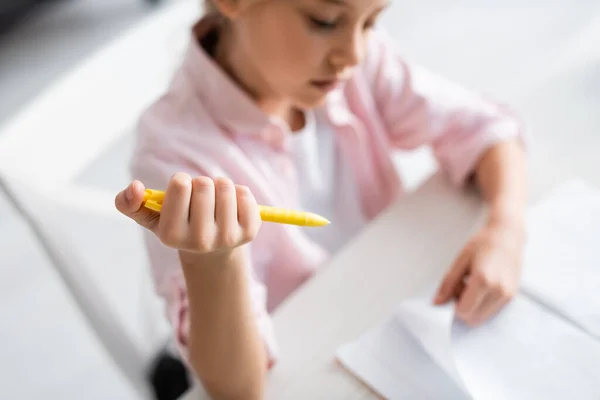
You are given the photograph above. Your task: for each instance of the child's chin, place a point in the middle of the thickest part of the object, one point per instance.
(311, 101)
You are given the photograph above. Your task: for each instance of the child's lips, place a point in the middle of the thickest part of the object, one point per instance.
(326, 84)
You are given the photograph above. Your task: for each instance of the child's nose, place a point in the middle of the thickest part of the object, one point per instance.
(349, 50)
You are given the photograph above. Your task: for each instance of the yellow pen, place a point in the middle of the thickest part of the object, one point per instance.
(153, 200)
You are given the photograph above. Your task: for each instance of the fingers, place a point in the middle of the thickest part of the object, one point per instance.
(501, 290)
(199, 215)
(485, 276)
(129, 203)
(226, 213)
(173, 223)
(202, 214)
(485, 295)
(488, 308)
(248, 214)
(471, 299)
(453, 280)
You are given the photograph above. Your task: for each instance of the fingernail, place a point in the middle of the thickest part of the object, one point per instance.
(129, 192)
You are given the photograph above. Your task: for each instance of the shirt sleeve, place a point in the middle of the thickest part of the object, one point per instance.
(420, 108)
(167, 273)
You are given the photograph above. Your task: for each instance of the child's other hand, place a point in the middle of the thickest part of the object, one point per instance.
(486, 275)
(198, 215)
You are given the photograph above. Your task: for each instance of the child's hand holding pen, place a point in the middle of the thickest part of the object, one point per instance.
(198, 215)
(203, 215)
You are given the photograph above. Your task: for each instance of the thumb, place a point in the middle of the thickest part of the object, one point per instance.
(129, 203)
(453, 280)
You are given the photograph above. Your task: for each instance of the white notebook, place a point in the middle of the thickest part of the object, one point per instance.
(544, 345)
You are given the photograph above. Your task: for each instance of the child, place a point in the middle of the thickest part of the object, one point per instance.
(300, 104)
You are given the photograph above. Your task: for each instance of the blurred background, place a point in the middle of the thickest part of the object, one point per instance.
(78, 315)
(40, 39)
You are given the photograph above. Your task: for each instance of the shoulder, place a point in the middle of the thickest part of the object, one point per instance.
(174, 134)
(175, 112)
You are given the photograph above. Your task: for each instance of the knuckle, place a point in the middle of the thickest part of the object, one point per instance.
(248, 210)
(224, 184)
(483, 279)
(506, 292)
(250, 233)
(149, 220)
(180, 180)
(203, 243)
(169, 237)
(201, 183)
(244, 192)
(497, 287)
(229, 239)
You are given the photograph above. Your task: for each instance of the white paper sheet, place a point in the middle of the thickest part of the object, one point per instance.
(526, 353)
(391, 361)
(562, 261)
(543, 345)
(431, 327)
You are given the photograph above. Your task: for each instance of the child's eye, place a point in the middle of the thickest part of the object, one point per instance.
(322, 25)
(369, 25)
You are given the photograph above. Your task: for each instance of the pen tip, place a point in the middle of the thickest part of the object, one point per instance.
(320, 221)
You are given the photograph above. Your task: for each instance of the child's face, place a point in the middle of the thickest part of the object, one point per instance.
(302, 49)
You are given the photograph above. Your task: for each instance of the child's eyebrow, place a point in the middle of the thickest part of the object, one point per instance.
(345, 4)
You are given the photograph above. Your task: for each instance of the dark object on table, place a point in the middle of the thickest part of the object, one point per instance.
(169, 377)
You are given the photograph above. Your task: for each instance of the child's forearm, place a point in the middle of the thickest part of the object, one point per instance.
(501, 176)
(226, 350)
